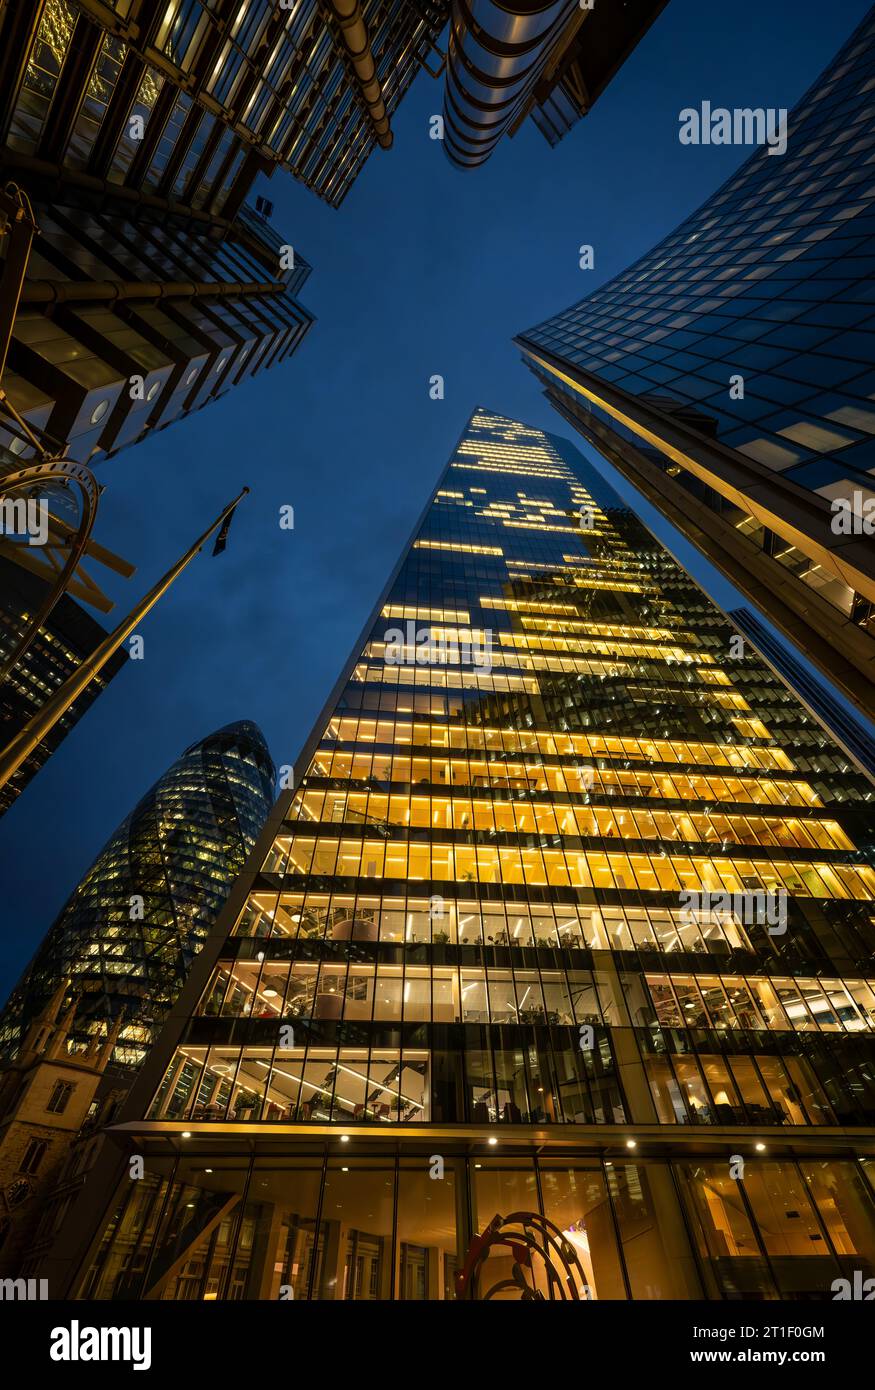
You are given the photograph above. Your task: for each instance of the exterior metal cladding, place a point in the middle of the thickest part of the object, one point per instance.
(355, 36)
(495, 55)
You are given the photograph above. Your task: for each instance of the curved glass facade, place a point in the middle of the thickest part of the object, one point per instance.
(564, 876)
(127, 936)
(740, 286)
(738, 353)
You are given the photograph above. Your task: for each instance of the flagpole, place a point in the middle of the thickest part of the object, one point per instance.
(58, 703)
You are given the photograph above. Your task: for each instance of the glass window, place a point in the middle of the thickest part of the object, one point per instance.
(45, 61)
(354, 1238)
(789, 1228)
(846, 1207)
(733, 1263)
(101, 85)
(283, 1202)
(576, 1201)
(652, 1238)
(500, 1192)
(428, 1254)
(204, 1244)
(181, 31)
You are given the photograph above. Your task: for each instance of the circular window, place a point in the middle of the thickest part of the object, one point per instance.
(99, 411)
(153, 390)
(191, 376)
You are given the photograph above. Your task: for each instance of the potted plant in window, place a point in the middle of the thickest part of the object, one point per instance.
(245, 1104)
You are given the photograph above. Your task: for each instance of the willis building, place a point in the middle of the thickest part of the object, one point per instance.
(567, 919)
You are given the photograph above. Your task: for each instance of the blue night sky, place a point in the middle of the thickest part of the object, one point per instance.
(423, 270)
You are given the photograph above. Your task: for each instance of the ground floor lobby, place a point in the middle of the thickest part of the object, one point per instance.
(218, 1217)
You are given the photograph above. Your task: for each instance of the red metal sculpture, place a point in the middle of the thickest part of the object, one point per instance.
(538, 1247)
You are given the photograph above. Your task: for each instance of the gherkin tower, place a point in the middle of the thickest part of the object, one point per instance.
(126, 937)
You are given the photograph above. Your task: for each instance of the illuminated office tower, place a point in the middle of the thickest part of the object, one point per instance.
(126, 937)
(470, 969)
(67, 638)
(728, 374)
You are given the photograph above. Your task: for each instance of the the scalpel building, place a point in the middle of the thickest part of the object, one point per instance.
(568, 914)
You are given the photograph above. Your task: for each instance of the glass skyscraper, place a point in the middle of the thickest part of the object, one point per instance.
(728, 373)
(853, 735)
(68, 637)
(127, 936)
(568, 915)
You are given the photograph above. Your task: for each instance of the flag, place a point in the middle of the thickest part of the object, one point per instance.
(222, 537)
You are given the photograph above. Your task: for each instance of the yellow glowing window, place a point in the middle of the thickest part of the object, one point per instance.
(421, 614)
(458, 546)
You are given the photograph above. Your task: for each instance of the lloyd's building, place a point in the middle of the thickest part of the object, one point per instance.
(552, 973)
